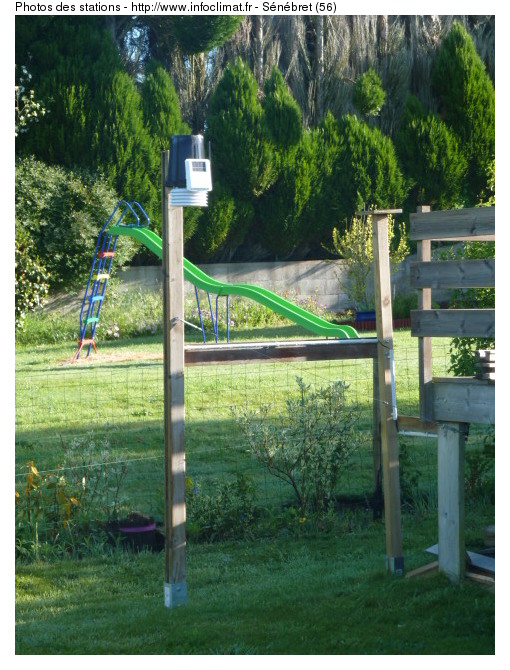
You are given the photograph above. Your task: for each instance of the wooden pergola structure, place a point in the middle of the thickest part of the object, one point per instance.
(449, 404)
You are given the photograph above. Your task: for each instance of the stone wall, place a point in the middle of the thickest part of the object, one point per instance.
(324, 280)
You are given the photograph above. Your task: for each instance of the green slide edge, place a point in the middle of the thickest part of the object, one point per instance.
(276, 303)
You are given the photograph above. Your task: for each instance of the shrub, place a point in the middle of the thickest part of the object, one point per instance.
(368, 94)
(226, 514)
(31, 278)
(63, 211)
(282, 113)
(240, 148)
(309, 445)
(355, 246)
(57, 510)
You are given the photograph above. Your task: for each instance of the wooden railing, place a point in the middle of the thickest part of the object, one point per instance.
(451, 403)
(458, 399)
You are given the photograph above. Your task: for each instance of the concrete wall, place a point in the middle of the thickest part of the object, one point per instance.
(324, 280)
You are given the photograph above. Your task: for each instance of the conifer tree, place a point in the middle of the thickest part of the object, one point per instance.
(94, 118)
(241, 152)
(467, 102)
(431, 157)
(161, 113)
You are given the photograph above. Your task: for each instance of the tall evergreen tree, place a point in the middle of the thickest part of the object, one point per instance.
(95, 118)
(467, 102)
(240, 149)
(160, 104)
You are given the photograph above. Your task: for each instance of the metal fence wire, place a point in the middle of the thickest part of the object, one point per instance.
(105, 422)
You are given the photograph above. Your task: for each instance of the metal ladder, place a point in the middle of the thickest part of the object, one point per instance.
(100, 272)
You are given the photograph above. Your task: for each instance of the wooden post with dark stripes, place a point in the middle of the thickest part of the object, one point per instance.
(175, 590)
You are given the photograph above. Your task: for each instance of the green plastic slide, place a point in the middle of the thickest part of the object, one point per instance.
(276, 303)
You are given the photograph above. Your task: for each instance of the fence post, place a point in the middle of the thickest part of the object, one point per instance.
(386, 381)
(175, 590)
(450, 503)
(424, 253)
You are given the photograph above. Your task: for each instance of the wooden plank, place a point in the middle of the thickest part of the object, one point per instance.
(450, 500)
(412, 425)
(389, 436)
(456, 224)
(453, 323)
(270, 352)
(378, 501)
(474, 559)
(463, 399)
(424, 252)
(173, 350)
(471, 273)
(423, 570)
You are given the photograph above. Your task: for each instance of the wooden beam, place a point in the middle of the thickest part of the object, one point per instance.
(453, 274)
(389, 437)
(378, 501)
(175, 591)
(462, 399)
(475, 223)
(412, 425)
(453, 323)
(424, 254)
(270, 352)
(450, 499)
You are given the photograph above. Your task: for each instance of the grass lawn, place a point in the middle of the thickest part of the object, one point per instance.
(325, 595)
(284, 591)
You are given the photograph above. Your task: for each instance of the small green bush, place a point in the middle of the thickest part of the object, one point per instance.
(226, 514)
(309, 446)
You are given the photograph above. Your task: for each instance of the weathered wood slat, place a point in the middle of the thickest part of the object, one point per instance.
(453, 274)
(412, 425)
(453, 323)
(270, 352)
(462, 399)
(455, 224)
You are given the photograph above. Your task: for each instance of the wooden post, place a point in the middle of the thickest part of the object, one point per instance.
(450, 486)
(389, 435)
(378, 501)
(175, 591)
(424, 343)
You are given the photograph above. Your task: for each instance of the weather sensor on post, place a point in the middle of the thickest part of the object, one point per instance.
(189, 172)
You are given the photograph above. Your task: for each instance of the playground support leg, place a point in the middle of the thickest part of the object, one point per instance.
(450, 485)
(389, 435)
(175, 590)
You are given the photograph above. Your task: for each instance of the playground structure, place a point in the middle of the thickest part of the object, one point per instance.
(342, 342)
(130, 219)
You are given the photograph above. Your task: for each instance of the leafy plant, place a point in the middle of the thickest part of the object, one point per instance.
(63, 507)
(223, 515)
(355, 246)
(31, 280)
(309, 445)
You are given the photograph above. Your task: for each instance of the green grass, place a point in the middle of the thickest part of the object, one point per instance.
(289, 590)
(325, 595)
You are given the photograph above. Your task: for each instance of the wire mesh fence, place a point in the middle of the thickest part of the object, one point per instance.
(101, 427)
